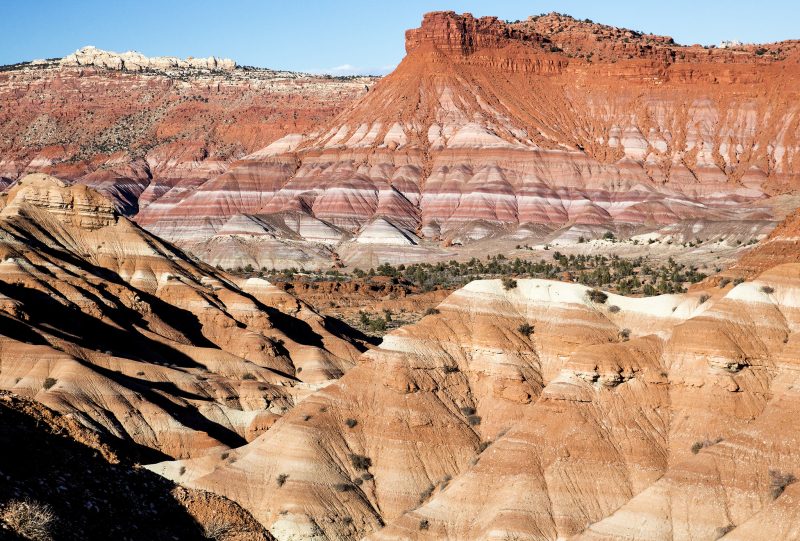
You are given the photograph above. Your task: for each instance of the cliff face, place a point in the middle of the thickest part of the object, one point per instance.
(463, 34)
(545, 121)
(574, 38)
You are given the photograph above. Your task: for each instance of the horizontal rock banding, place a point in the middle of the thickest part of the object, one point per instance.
(512, 123)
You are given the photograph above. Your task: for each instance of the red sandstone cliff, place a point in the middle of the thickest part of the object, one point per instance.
(546, 121)
(485, 126)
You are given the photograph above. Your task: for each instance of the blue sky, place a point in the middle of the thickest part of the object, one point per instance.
(340, 36)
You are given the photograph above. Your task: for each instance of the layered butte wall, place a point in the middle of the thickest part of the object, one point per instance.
(487, 126)
(143, 129)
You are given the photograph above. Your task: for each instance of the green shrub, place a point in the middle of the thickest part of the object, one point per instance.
(377, 325)
(360, 462)
(351, 423)
(526, 329)
(597, 296)
(722, 531)
(509, 283)
(249, 376)
(281, 479)
(426, 493)
(778, 481)
(48, 383)
(698, 445)
(767, 289)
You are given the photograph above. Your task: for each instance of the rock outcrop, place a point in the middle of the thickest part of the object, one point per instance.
(548, 121)
(93, 488)
(544, 412)
(101, 320)
(135, 61)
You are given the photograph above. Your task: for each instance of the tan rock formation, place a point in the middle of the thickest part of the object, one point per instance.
(102, 320)
(135, 61)
(663, 412)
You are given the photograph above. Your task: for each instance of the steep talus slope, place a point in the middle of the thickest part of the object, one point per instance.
(94, 488)
(105, 321)
(667, 417)
(143, 130)
(546, 121)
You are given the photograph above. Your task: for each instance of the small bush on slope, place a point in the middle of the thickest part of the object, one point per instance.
(31, 520)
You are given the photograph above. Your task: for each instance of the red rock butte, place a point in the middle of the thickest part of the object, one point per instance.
(488, 125)
(486, 128)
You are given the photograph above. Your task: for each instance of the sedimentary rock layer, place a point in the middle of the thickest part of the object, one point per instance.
(544, 412)
(545, 121)
(102, 320)
(145, 130)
